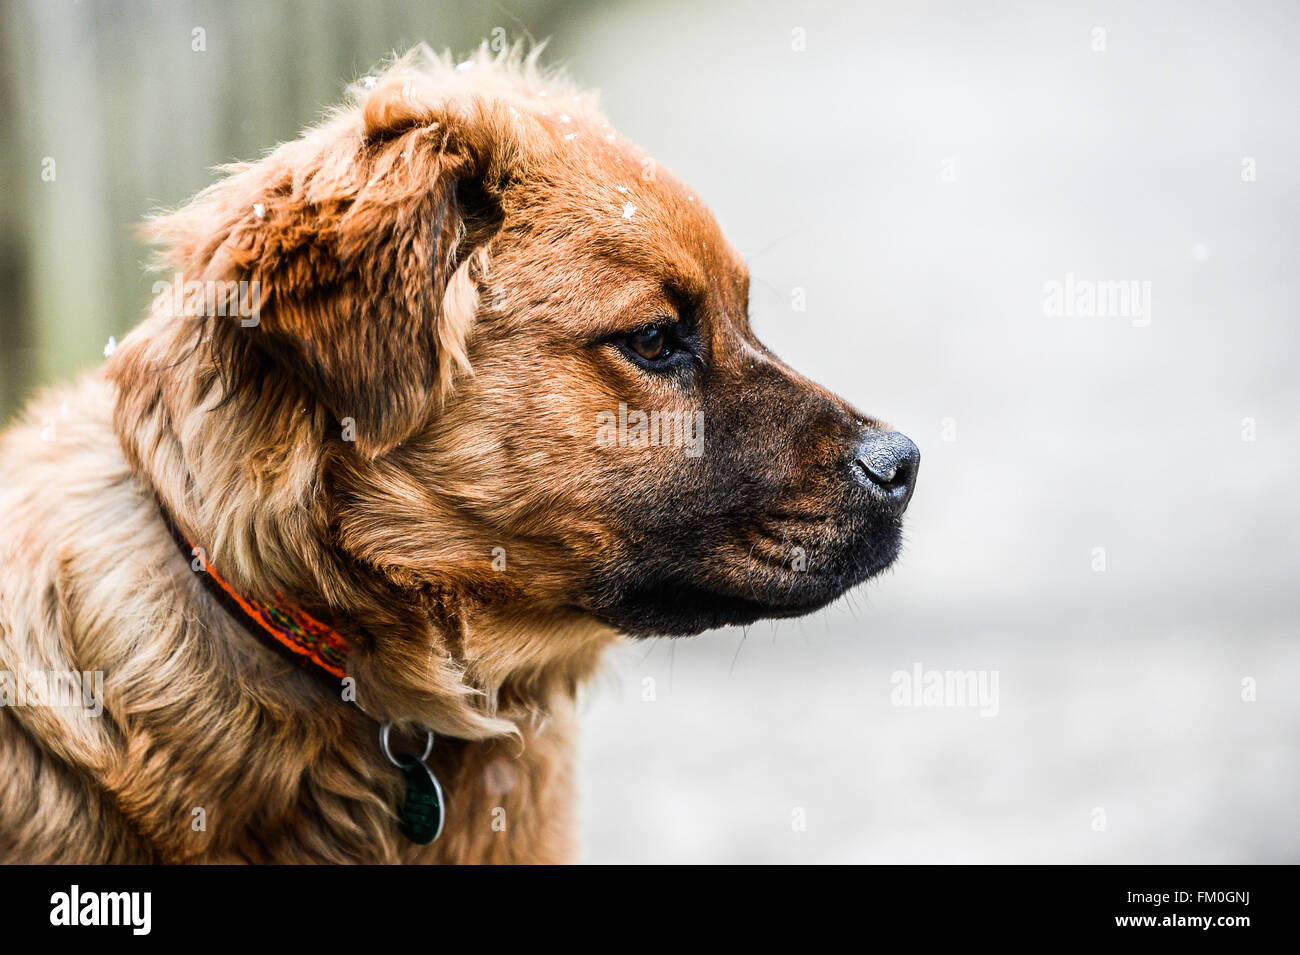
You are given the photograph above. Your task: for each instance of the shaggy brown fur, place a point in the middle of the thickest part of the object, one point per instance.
(449, 269)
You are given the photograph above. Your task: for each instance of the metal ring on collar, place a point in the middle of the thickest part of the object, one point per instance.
(388, 752)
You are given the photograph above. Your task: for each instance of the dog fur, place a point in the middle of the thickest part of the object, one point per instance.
(447, 266)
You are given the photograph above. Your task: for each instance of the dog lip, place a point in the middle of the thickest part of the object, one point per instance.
(680, 606)
(705, 610)
(808, 517)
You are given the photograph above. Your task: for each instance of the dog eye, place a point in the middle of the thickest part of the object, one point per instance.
(650, 343)
(666, 346)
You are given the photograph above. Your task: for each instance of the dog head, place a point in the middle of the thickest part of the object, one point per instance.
(531, 350)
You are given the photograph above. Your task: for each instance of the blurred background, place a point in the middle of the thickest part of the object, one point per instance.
(1107, 512)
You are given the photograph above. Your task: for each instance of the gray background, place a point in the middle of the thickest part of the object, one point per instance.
(1120, 690)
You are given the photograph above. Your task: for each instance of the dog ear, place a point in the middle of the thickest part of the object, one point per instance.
(362, 247)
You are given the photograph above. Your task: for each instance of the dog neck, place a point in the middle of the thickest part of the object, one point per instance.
(244, 475)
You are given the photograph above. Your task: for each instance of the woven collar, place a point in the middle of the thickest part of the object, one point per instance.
(323, 651)
(279, 623)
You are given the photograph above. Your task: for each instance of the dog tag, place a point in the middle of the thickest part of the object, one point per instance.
(422, 808)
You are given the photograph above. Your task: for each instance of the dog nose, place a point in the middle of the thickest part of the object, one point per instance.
(888, 461)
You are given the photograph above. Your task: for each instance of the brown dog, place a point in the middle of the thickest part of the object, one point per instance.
(444, 396)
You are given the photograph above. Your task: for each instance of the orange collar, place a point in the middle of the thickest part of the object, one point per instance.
(278, 623)
(311, 644)
(292, 628)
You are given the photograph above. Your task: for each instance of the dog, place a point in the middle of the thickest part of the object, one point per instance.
(436, 403)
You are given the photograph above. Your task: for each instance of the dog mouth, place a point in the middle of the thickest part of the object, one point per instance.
(773, 577)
